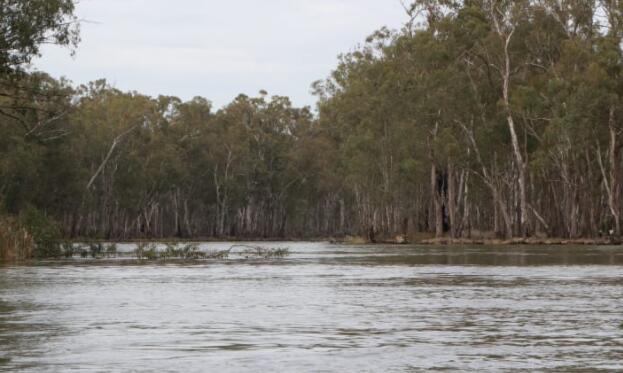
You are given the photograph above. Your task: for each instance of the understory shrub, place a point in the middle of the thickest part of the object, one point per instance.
(44, 231)
(16, 243)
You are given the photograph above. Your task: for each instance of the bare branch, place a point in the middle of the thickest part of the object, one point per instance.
(115, 142)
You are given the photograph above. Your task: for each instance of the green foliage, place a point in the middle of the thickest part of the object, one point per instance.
(111, 250)
(96, 250)
(45, 232)
(68, 249)
(170, 251)
(25, 25)
(412, 129)
(147, 251)
(191, 251)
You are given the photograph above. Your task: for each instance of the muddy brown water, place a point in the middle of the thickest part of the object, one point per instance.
(324, 308)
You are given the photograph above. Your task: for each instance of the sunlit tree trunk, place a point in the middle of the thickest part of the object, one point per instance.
(612, 176)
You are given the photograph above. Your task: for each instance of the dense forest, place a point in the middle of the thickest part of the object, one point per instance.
(476, 118)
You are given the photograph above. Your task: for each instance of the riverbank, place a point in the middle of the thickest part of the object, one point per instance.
(523, 241)
(428, 240)
(10, 252)
(357, 240)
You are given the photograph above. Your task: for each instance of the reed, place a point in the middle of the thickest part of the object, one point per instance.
(16, 243)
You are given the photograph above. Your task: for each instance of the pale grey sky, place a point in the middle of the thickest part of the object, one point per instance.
(217, 48)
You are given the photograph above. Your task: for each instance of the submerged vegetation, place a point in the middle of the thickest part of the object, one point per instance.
(476, 119)
(259, 252)
(149, 251)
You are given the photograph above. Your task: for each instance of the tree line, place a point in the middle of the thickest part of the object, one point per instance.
(477, 117)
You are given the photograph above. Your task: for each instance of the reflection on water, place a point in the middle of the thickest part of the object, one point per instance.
(324, 308)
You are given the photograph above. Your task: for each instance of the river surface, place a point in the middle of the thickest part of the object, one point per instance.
(324, 308)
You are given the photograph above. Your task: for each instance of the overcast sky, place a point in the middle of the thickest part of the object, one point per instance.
(217, 48)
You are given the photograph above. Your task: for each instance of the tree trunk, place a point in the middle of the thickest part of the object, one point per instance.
(452, 200)
(519, 160)
(611, 179)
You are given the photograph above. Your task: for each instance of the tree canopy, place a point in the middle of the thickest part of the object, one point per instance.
(26, 25)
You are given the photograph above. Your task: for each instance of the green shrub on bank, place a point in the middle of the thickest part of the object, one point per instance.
(44, 231)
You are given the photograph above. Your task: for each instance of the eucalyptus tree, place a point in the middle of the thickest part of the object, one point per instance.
(26, 25)
(32, 132)
(491, 116)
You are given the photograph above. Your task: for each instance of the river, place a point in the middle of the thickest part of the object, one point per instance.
(323, 308)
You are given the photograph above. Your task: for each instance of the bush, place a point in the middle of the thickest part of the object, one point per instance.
(170, 252)
(44, 231)
(111, 251)
(146, 250)
(96, 250)
(68, 249)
